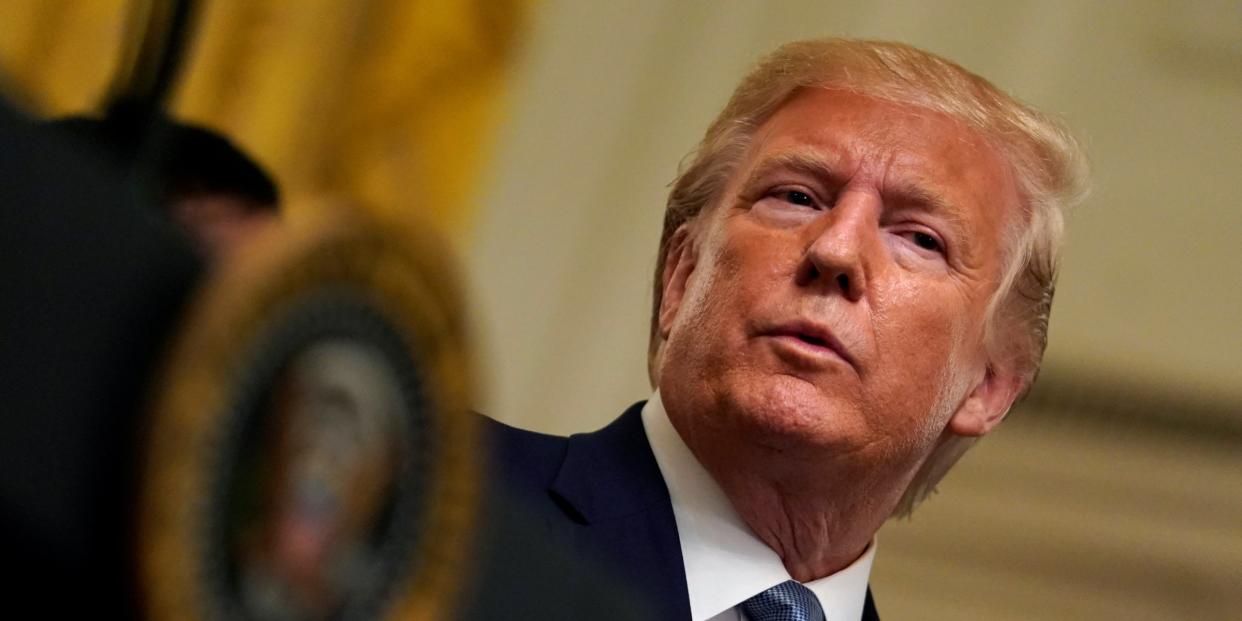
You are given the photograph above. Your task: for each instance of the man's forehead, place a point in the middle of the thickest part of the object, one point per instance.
(851, 126)
(922, 155)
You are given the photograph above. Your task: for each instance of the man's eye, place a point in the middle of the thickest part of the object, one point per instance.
(925, 241)
(797, 198)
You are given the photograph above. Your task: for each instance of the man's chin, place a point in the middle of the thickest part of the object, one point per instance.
(789, 413)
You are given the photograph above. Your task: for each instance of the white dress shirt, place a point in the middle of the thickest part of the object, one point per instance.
(726, 563)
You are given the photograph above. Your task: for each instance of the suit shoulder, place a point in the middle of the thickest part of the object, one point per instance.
(522, 457)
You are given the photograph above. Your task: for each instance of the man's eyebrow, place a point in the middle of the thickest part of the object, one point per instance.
(955, 224)
(908, 195)
(917, 196)
(805, 162)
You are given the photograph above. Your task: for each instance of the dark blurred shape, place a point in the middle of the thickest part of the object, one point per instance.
(215, 191)
(192, 159)
(197, 161)
(91, 282)
(152, 49)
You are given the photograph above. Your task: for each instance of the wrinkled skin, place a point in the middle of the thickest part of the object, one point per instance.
(824, 320)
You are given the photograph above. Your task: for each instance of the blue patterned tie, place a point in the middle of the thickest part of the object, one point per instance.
(787, 601)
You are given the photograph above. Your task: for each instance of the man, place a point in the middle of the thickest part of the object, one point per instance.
(856, 273)
(214, 191)
(90, 285)
(210, 188)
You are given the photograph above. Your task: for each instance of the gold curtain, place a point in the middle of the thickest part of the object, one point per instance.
(389, 103)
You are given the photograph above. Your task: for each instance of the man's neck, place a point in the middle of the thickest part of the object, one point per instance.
(818, 515)
(725, 562)
(813, 536)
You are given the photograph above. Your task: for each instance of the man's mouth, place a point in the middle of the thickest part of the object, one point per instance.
(810, 340)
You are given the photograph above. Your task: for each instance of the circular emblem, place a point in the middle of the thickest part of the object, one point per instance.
(310, 452)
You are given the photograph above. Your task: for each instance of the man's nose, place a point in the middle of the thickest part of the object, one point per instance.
(837, 255)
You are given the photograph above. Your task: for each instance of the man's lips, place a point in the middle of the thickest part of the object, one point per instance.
(810, 339)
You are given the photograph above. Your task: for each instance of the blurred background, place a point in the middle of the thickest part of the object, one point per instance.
(541, 139)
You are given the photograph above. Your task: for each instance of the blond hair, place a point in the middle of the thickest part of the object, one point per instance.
(1048, 163)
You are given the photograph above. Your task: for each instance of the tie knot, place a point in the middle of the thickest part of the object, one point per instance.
(787, 601)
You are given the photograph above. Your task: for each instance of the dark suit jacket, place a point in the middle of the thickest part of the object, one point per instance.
(603, 494)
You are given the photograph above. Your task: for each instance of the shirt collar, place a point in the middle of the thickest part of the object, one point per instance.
(725, 562)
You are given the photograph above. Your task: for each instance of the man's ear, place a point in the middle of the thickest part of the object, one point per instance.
(985, 407)
(679, 263)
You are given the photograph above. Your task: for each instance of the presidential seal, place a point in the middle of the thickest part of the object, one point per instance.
(310, 452)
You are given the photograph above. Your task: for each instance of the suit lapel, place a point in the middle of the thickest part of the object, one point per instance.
(610, 484)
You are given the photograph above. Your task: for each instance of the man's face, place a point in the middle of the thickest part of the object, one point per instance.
(834, 298)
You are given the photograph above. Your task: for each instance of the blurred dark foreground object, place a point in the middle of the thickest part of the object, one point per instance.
(217, 193)
(90, 284)
(95, 285)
